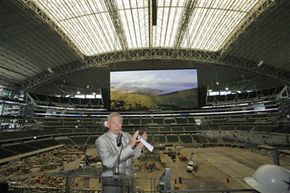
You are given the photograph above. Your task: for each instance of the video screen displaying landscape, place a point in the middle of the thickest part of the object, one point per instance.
(154, 89)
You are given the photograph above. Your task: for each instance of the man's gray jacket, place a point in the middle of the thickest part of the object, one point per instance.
(109, 151)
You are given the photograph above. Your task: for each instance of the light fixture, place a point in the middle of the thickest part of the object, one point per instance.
(88, 86)
(217, 83)
(50, 70)
(227, 88)
(197, 121)
(260, 63)
(78, 92)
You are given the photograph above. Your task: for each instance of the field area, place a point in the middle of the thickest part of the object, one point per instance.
(218, 168)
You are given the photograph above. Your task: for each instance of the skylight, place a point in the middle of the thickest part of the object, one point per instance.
(90, 23)
(87, 23)
(213, 21)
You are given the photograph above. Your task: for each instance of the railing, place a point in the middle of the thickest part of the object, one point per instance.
(58, 190)
(124, 184)
(209, 191)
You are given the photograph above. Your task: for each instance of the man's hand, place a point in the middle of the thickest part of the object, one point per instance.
(134, 139)
(144, 136)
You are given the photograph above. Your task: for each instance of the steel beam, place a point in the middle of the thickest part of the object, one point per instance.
(249, 65)
(250, 19)
(115, 17)
(103, 60)
(30, 4)
(183, 26)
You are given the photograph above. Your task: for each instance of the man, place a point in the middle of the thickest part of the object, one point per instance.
(117, 160)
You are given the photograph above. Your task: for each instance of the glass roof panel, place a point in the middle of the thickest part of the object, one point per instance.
(89, 25)
(168, 19)
(86, 22)
(212, 22)
(134, 17)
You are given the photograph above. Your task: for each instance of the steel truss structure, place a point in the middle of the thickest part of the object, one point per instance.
(183, 26)
(176, 53)
(251, 18)
(24, 4)
(104, 60)
(112, 8)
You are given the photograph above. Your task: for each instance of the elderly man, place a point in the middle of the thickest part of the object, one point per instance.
(117, 158)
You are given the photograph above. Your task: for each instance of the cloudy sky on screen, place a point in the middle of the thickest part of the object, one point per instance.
(161, 81)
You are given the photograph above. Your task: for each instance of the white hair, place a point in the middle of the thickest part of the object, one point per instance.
(114, 114)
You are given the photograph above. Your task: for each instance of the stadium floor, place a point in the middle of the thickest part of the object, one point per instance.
(218, 168)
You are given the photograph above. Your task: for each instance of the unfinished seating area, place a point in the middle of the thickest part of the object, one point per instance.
(66, 101)
(9, 150)
(167, 130)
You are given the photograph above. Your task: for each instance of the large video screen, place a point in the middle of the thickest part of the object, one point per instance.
(154, 89)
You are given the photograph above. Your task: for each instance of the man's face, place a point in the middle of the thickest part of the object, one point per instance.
(115, 124)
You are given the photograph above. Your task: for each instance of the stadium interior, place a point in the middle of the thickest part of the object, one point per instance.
(56, 91)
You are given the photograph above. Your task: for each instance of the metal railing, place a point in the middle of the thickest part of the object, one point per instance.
(60, 190)
(125, 184)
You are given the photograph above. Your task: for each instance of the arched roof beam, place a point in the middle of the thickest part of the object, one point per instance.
(115, 16)
(103, 60)
(183, 26)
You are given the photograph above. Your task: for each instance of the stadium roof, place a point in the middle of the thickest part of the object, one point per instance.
(44, 42)
(104, 26)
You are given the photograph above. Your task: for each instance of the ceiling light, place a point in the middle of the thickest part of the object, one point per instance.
(227, 88)
(197, 121)
(217, 83)
(50, 70)
(78, 92)
(260, 63)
